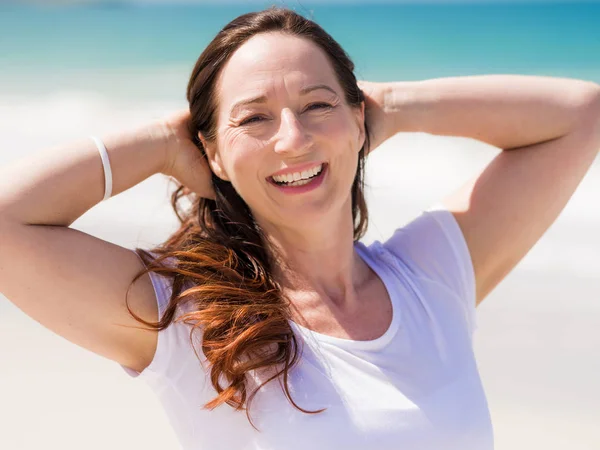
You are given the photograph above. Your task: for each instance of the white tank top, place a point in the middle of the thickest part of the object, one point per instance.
(416, 387)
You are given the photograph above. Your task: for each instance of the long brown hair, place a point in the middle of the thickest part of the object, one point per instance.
(220, 250)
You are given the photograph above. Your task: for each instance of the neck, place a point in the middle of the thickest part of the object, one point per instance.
(318, 263)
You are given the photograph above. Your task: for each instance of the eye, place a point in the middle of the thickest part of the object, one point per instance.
(252, 119)
(319, 105)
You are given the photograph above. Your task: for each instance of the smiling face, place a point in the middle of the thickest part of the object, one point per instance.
(282, 109)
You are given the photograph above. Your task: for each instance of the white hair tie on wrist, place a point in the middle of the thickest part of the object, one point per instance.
(106, 166)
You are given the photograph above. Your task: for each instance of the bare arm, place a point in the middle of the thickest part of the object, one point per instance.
(57, 185)
(69, 281)
(507, 111)
(551, 129)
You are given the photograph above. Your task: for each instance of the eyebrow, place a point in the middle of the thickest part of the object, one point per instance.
(263, 98)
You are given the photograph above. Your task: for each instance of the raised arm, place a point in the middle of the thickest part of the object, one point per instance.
(73, 283)
(550, 129)
(507, 111)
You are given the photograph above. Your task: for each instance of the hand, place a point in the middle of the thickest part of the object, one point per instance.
(377, 120)
(184, 160)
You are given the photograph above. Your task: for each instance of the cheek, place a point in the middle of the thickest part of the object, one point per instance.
(345, 136)
(242, 159)
(343, 128)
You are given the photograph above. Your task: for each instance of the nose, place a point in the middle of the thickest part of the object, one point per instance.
(292, 137)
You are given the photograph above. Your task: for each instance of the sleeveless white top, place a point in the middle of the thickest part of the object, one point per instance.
(416, 387)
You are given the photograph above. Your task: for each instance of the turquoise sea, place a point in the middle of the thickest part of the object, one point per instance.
(67, 72)
(48, 47)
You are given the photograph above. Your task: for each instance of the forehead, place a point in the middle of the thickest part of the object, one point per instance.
(273, 64)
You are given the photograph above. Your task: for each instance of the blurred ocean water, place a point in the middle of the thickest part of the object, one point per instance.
(44, 48)
(68, 72)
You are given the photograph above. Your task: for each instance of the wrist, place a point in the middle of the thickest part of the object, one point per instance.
(399, 101)
(379, 112)
(161, 136)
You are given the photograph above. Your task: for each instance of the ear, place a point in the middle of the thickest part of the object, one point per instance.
(359, 113)
(214, 159)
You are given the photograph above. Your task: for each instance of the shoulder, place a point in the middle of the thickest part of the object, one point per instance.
(430, 255)
(173, 342)
(432, 245)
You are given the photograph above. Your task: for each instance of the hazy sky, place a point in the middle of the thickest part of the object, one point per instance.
(284, 2)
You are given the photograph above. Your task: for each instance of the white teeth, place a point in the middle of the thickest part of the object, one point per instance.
(301, 182)
(296, 176)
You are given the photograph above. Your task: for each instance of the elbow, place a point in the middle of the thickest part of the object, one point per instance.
(595, 102)
(594, 112)
(589, 105)
(589, 120)
(585, 103)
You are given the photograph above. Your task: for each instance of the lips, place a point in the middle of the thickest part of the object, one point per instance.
(297, 169)
(312, 184)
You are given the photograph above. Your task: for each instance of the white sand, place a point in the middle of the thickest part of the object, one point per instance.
(539, 332)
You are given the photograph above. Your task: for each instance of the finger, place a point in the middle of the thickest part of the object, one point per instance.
(201, 178)
(193, 172)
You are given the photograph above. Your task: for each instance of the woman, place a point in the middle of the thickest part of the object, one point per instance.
(266, 279)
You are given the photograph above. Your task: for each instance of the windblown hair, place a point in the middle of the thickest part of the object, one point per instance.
(219, 249)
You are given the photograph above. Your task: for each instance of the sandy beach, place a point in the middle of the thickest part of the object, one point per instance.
(67, 73)
(537, 344)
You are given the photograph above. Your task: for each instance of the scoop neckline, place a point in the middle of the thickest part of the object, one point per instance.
(382, 340)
